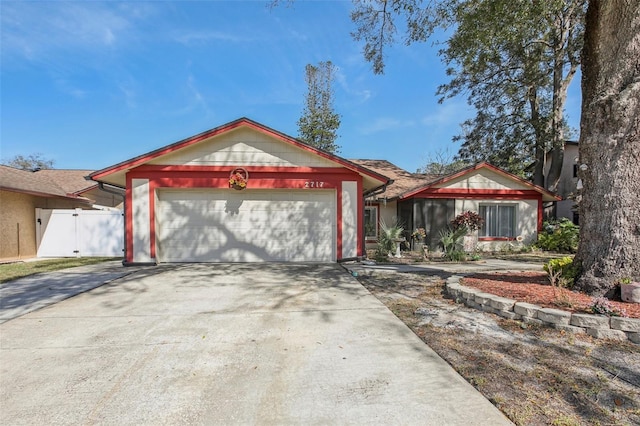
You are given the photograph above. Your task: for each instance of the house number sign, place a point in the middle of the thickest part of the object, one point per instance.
(313, 184)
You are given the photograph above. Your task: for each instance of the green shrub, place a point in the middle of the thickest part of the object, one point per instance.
(386, 240)
(526, 249)
(561, 271)
(457, 256)
(559, 236)
(451, 242)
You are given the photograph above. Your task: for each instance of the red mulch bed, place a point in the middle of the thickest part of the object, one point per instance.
(534, 287)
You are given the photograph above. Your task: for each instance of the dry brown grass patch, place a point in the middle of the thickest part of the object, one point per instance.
(534, 374)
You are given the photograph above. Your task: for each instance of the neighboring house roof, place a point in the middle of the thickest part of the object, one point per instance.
(115, 174)
(408, 184)
(17, 180)
(71, 181)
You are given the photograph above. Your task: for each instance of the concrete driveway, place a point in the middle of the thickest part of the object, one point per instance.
(228, 344)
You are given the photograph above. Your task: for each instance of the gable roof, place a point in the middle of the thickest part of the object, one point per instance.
(407, 184)
(546, 195)
(17, 180)
(115, 173)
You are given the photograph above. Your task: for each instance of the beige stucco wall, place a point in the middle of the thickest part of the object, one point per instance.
(389, 212)
(18, 222)
(484, 179)
(246, 147)
(526, 221)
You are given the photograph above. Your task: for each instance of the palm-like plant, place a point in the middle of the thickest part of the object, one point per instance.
(388, 237)
(451, 240)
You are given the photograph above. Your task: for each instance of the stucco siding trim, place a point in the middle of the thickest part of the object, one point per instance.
(141, 221)
(350, 222)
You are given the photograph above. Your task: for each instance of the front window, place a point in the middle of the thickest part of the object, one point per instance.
(371, 222)
(499, 221)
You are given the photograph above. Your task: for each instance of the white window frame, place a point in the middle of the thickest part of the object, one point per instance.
(482, 232)
(375, 211)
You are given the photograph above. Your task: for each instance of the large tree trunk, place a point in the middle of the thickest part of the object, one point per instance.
(557, 113)
(565, 65)
(540, 151)
(610, 146)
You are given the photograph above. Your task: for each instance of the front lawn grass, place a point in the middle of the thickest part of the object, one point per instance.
(11, 271)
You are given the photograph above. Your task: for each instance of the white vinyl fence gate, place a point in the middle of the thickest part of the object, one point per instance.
(79, 233)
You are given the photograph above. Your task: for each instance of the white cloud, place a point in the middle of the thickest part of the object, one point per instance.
(296, 35)
(358, 95)
(42, 30)
(450, 113)
(365, 95)
(383, 124)
(189, 37)
(195, 100)
(128, 93)
(65, 86)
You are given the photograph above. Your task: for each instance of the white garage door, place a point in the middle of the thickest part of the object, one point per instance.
(245, 226)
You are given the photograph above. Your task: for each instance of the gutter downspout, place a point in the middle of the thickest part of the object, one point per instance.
(124, 209)
(378, 190)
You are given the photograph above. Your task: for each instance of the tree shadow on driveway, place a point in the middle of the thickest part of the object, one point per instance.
(28, 294)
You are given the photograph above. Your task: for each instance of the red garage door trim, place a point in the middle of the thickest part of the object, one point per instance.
(260, 178)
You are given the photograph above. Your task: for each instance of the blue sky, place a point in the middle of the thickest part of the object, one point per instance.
(90, 84)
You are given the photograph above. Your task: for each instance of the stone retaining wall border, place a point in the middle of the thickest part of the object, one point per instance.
(597, 326)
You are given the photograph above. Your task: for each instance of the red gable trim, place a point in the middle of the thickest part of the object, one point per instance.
(497, 194)
(154, 168)
(468, 170)
(241, 122)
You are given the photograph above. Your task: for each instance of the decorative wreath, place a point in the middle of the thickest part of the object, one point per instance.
(238, 178)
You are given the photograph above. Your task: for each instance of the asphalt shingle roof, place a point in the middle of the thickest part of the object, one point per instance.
(403, 181)
(71, 181)
(57, 183)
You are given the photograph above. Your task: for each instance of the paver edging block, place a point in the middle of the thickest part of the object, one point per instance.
(570, 328)
(483, 298)
(487, 308)
(526, 309)
(472, 304)
(508, 315)
(597, 326)
(529, 320)
(468, 293)
(590, 321)
(502, 303)
(554, 316)
(626, 324)
(454, 279)
(453, 290)
(599, 333)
